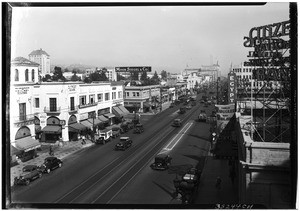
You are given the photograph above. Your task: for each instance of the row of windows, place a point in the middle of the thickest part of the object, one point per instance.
(244, 77)
(82, 100)
(26, 75)
(245, 70)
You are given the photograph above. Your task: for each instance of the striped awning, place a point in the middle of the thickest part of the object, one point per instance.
(27, 144)
(102, 118)
(123, 109)
(55, 129)
(86, 123)
(109, 115)
(117, 111)
(76, 127)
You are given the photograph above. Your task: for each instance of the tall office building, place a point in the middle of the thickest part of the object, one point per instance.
(43, 59)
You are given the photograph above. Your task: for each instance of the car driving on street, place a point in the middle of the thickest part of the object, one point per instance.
(161, 162)
(124, 143)
(51, 163)
(29, 173)
(177, 123)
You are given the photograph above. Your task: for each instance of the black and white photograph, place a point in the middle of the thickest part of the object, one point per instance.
(141, 105)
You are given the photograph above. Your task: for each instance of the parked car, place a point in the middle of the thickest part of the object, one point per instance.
(139, 128)
(103, 136)
(116, 132)
(29, 173)
(51, 163)
(124, 143)
(161, 162)
(192, 175)
(202, 116)
(177, 123)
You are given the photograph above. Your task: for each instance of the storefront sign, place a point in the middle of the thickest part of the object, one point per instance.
(231, 87)
(24, 123)
(133, 69)
(22, 90)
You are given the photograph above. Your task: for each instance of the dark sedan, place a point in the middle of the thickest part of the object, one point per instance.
(51, 163)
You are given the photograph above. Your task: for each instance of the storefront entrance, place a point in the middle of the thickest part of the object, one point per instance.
(52, 132)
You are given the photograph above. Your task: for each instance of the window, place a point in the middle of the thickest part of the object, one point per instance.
(133, 94)
(119, 94)
(82, 100)
(16, 75)
(26, 75)
(127, 94)
(106, 96)
(52, 102)
(22, 111)
(37, 102)
(137, 94)
(100, 97)
(32, 74)
(114, 95)
(72, 103)
(92, 99)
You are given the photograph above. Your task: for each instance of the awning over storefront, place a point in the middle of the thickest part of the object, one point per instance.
(123, 109)
(96, 121)
(102, 118)
(27, 144)
(76, 127)
(14, 151)
(87, 123)
(38, 128)
(109, 115)
(54, 129)
(117, 111)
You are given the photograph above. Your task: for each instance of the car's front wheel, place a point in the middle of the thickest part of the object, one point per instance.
(48, 171)
(59, 165)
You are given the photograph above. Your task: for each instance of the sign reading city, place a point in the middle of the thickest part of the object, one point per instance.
(231, 87)
(133, 69)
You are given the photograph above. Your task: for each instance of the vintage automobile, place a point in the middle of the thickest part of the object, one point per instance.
(202, 116)
(192, 175)
(124, 143)
(139, 128)
(29, 173)
(51, 163)
(161, 162)
(103, 136)
(177, 123)
(116, 132)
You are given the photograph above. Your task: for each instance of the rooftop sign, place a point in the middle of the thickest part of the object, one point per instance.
(133, 69)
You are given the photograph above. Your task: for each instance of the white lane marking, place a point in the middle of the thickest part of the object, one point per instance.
(178, 137)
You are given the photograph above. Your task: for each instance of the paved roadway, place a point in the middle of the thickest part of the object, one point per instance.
(100, 175)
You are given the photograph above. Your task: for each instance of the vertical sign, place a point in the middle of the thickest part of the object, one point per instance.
(231, 87)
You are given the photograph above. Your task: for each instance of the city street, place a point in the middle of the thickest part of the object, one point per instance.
(100, 175)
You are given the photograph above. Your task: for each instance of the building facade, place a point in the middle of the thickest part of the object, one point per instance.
(43, 59)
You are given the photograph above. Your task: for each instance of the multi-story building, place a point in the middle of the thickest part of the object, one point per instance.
(53, 111)
(43, 59)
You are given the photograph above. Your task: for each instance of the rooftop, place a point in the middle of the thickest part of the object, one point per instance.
(39, 52)
(21, 61)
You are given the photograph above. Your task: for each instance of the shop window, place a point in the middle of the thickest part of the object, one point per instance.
(16, 75)
(52, 104)
(37, 102)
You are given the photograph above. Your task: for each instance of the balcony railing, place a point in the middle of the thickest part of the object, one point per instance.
(88, 105)
(23, 118)
(52, 110)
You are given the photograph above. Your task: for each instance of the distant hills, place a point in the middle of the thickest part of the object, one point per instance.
(79, 67)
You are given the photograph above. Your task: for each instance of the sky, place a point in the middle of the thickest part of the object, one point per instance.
(169, 38)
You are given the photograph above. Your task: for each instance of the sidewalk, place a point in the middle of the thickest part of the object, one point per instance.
(207, 192)
(61, 152)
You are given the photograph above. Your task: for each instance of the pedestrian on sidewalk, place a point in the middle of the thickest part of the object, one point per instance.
(218, 183)
(51, 152)
(83, 140)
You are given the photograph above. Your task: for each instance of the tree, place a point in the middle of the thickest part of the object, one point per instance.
(75, 77)
(155, 78)
(46, 78)
(163, 75)
(96, 76)
(57, 74)
(120, 77)
(144, 76)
